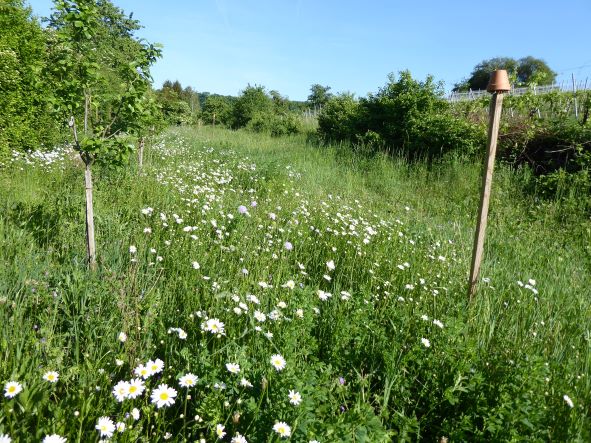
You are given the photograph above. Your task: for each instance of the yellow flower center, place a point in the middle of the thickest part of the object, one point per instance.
(11, 389)
(163, 396)
(132, 389)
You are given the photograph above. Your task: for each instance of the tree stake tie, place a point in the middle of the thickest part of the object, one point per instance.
(497, 86)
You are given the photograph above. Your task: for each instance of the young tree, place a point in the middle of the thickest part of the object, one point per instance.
(99, 88)
(253, 100)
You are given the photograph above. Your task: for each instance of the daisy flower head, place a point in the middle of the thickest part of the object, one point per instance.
(120, 390)
(330, 265)
(53, 438)
(214, 326)
(188, 380)
(238, 438)
(135, 388)
(142, 371)
(282, 429)
(122, 337)
(120, 426)
(105, 426)
(426, 343)
(259, 316)
(233, 368)
(4, 438)
(51, 376)
(245, 383)
(12, 389)
(295, 397)
(163, 396)
(135, 413)
(155, 366)
(132, 249)
(220, 431)
(278, 362)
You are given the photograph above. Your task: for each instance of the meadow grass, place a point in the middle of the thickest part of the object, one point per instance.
(352, 269)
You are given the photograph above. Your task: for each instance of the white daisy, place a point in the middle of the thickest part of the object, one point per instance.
(426, 343)
(278, 362)
(219, 431)
(135, 388)
(53, 438)
(105, 426)
(282, 429)
(188, 380)
(233, 368)
(12, 389)
(294, 397)
(163, 396)
(120, 390)
(51, 376)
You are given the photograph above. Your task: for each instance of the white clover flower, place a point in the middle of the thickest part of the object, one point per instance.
(426, 343)
(53, 438)
(220, 431)
(278, 362)
(121, 390)
(163, 396)
(233, 368)
(188, 380)
(105, 426)
(282, 429)
(51, 376)
(12, 389)
(195, 265)
(294, 397)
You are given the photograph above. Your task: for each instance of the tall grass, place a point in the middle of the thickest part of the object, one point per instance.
(404, 357)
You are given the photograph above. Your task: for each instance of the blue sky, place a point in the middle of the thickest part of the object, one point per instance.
(222, 45)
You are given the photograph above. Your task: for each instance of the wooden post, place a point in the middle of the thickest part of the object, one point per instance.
(575, 96)
(498, 85)
(141, 153)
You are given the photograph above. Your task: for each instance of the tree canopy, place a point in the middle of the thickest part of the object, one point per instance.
(523, 72)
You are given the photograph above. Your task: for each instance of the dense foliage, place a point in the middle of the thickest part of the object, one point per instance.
(405, 116)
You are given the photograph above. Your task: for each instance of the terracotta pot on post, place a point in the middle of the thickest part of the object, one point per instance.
(497, 86)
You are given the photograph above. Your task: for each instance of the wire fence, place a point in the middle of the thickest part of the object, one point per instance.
(561, 87)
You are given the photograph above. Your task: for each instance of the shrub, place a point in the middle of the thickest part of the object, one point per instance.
(339, 118)
(275, 124)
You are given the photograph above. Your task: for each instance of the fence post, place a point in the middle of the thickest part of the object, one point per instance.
(498, 85)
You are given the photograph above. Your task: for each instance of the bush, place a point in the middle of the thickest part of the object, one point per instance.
(275, 124)
(339, 118)
(405, 116)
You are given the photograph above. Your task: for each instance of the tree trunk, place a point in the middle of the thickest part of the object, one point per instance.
(90, 243)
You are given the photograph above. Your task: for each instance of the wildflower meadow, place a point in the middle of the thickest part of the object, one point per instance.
(253, 289)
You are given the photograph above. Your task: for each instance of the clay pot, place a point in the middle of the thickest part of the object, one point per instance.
(499, 81)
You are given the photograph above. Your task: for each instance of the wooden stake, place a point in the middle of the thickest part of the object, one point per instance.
(90, 243)
(141, 153)
(498, 85)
